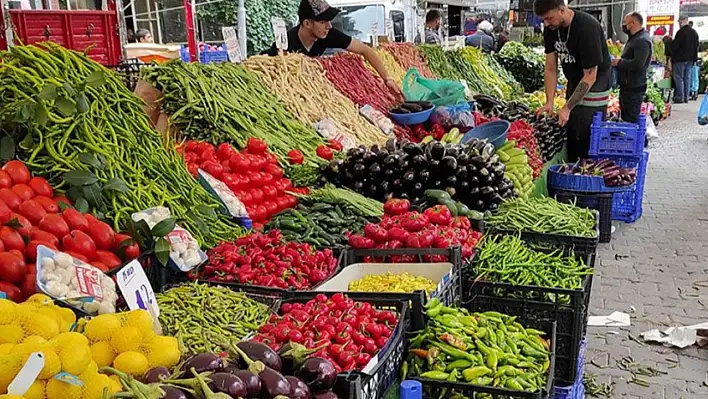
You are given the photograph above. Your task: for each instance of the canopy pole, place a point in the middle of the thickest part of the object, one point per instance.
(242, 28)
(189, 20)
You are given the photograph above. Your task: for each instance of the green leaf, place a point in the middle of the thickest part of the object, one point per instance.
(203, 227)
(138, 231)
(65, 106)
(115, 184)
(163, 228)
(80, 178)
(89, 159)
(82, 103)
(70, 90)
(48, 93)
(101, 160)
(7, 148)
(96, 79)
(81, 205)
(74, 193)
(162, 251)
(205, 210)
(41, 115)
(63, 205)
(92, 193)
(27, 111)
(27, 143)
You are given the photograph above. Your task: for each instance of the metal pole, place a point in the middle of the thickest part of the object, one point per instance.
(157, 18)
(132, 12)
(189, 20)
(242, 28)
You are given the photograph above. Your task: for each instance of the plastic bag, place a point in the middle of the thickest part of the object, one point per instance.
(328, 129)
(459, 115)
(652, 133)
(377, 119)
(703, 112)
(439, 92)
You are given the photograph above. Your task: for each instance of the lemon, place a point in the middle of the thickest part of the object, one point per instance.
(67, 338)
(34, 339)
(38, 390)
(101, 328)
(7, 311)
(126, 339)
(57, 389)
(10, 365)
(102, 353)
(94, 384)
(92, 366)
(66, 314)
(115, 385)
(10, 396)
(24, 350)
(42, 325)
(11, 334)
(133, 363)
(52, 365)
(6, 348)
(162, 351)
(40, 299)
(75, 358)
(141, 320)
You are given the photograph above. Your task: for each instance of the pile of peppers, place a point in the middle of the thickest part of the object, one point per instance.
(485, 349)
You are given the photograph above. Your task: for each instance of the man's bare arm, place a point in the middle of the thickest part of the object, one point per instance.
(589, 77)
(551, 76)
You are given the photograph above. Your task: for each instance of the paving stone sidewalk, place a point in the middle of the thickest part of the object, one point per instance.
(654, 267)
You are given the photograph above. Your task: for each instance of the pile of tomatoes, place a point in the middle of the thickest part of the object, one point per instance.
(252, 174)
(31, 215)
(522, 133)
(346, 332)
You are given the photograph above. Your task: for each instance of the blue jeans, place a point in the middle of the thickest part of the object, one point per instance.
(682, 79)
(694, 79)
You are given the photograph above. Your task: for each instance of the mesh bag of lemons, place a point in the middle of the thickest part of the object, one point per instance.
(393, 282)
(125, 341)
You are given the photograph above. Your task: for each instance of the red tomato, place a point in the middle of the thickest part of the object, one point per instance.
(47, 203)
(129, 251)
(4, 212)
(60, 199)
(5, 180)
(41, 187)
(28, 286)
(18, 172)
(283, 203)
(287, 184)
(274, 170)
(11, 238)
(41, 235)
(245, 197)
(100, 266)
(262, 212)
(33, 211)
(239, 163)
(293, 201)
(11, 291)
(257, 162)
(78, 256)
(108, 258)
(17, 253)
(20, 223)
(257, 195)
(266, 178)
(10, 198)
(54, 225)
(23, 191)
(102, 234)
(271, 207)
(79, 242)
(31, 249)
(213, 168)
(75, 219)
(271, 158)
(225, 151)
(193, 170)
(270, 192)
(12, 268)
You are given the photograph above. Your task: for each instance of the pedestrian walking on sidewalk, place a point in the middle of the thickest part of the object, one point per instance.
(633, 67)
(684, 54)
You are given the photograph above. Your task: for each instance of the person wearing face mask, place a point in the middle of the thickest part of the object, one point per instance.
(575, 39)
(314, 35)
(633, 67)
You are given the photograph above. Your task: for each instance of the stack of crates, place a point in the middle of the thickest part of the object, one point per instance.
(623, 143)
(577, 389)
(206, 57)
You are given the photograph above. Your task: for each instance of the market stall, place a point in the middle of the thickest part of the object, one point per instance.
(287, 228)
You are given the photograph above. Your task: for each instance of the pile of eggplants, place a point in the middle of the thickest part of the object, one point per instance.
(253, 370)
(549, 135)
(471, 173)
(613, 174)
(492, 107)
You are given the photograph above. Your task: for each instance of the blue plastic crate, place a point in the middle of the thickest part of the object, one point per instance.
(627, 205)
(205, 57)
(617, 138)
(578, 183)
(577, 390)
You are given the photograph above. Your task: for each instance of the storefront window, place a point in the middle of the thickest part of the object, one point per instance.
(358, 21)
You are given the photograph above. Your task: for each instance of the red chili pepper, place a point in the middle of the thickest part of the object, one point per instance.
(360, 242)
(336, 145)
(324, 152)
(295, 157)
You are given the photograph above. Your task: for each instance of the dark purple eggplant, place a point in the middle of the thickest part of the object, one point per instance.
(260, 352)
(252, 381)
(228, 384)
(156, 375)
(174, 393)
(325, 395)
(272, 382)
(319, 374)
(293, 355)
(298, 388)
(203, 362)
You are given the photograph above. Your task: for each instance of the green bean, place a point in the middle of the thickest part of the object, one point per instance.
(544, 215)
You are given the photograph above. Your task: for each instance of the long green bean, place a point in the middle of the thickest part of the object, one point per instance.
(544, 215)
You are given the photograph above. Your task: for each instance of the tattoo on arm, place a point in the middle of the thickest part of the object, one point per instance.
(578, 95)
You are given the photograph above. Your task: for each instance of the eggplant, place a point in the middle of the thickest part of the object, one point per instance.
(420, 162)
(463, 159)
(390, 174)
(292, 355)
(381, 155)
(423, 176)
(319, 374)
(436, 150)
(203, 362)
(397, 186)
(451, 181)
(385, 187)
(403, 162)
(174, 393)
(479, 205)
(409, 178)
(448, 164)
(411, 149)
(461, 173)
(228, 384)
(418, 188)
(252, 382)
(369, 158)
(474, 181)
(373, 190)
(325, 395)
(391, 145)
(434, 165)
(438, 184)
(375, 149)
(374, 169)
(463, 187)
(358, 186)
(272, 382)
(260, 352)
(391, 161)
(452, 151)
(298, 388)
(486, 191)
(359, 169)
(156, 375)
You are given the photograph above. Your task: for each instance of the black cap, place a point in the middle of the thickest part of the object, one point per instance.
(318, 10)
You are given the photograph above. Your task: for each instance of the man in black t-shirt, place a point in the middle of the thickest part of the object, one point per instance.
(576, 40)
(314, 35)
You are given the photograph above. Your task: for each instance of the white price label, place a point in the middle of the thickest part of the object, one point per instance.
(28, 373)
(389, 29)
(375, 34)
(280, 32)
(232, 45)
(136, 288)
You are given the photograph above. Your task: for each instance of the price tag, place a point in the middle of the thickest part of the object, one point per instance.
(280, 32)
(375, 34)
(136, 288)
(232, 45)
(389, 29)
(28, 373)
(89, 281)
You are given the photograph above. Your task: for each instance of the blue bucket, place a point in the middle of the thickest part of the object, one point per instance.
(494, 132)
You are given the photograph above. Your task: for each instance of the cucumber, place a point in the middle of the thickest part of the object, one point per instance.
(437, 195)
(475, 215)
(503, 156)
(450, 205)
(462, 209)
(507, 146)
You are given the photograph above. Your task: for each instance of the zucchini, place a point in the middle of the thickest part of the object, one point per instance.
(462, 209)
(451, 206)
(437, 195)
(475, 215)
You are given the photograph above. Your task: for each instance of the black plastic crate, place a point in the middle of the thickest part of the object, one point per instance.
(581, 245)
(373, 385)
(450, 390)
(601, 202)
(130, 71)
(525, 302)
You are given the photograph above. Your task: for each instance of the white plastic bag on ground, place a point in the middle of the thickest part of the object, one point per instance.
(652, 132)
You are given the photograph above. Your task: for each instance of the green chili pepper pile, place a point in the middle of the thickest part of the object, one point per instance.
(544, 215)
(438, 63)
(70, 114)
(200, 315)
(228, 103)
(507, 259)
(363, 205)
(488, 349)
(320, 222)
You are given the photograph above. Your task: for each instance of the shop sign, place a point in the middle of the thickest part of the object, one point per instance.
(662, 7)
(660, 25)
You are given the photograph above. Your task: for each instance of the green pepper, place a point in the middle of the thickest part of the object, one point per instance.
(492, 360)
(454, 352)
(459, 364)
(449, 320)
(512, 383)
(483, 381)
(474, 372)
(435, 375)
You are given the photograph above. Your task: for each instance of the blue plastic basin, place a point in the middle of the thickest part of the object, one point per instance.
(494, 132)
(414, 118)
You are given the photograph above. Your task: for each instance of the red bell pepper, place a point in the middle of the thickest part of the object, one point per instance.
(256, 146)
(396, 206)
(439, 214)
(295, 157)
(415, 221)
(324, 152)
(334, 144)
(375, 232)
(360, 242)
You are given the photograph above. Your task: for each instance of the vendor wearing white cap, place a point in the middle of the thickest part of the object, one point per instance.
(314, 35)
